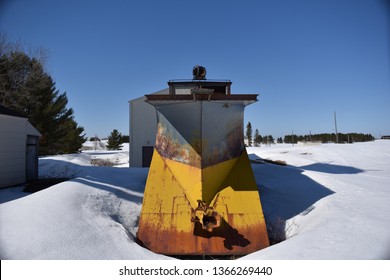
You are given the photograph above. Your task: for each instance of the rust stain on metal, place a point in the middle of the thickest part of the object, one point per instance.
(222, 240)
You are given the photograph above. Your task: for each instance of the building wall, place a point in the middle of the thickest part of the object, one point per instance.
(12, 150)
(143, 126)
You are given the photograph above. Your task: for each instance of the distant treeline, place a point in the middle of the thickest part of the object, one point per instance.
(123, 139)
(330, 137)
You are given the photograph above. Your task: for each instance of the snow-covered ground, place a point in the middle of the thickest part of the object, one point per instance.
(329, 202)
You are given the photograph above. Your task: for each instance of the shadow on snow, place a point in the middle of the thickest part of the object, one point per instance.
(286, 192)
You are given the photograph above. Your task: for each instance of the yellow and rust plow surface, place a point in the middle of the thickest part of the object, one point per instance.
(201, 197)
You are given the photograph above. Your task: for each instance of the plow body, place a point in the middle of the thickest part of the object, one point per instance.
(201, 196)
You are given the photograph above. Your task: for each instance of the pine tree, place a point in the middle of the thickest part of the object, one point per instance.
(74, 138)
(50, 115)
(249, 133)
(27, 88)
(114, 140)
(256, 138)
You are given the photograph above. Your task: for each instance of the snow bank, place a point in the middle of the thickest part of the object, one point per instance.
(333, 198)
(92, 216)
(329, 202)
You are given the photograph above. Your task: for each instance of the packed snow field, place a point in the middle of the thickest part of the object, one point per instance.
(329, 202)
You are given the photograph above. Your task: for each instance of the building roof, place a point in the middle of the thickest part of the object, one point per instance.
(160, 92)
(31, 130)
(214, 97)
(9, 112)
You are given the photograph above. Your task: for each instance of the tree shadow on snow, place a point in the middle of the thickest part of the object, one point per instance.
(122, 194)
(286, 192)
(331, 168)
(125, 183)
(129, 178)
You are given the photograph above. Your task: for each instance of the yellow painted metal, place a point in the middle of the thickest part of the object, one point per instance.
(188, 177)
(213, 178)
(168, 222)
(201, 196)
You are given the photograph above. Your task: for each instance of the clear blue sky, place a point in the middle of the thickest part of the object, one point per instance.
(306, 59)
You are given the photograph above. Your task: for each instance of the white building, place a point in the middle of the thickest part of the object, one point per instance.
(19, 142)
(143, 126)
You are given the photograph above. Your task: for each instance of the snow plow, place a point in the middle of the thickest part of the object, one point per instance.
(201, 196)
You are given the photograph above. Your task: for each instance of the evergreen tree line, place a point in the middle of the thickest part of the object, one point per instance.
(123, 138)
(259, 139)
(256, 139)
(27, 88)
(330, 138)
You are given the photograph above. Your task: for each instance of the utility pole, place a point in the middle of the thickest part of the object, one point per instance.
(335, 125)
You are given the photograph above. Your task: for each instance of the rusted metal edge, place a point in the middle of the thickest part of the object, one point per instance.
(263, 161)
(206, 97)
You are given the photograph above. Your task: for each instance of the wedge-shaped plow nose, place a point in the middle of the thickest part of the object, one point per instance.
(201, 197)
